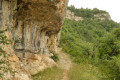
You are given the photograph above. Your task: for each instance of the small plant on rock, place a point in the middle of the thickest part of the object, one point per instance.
(4, 67)
(55, 57)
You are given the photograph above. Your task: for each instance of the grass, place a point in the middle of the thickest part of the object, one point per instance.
(54, 73)
(83, 71)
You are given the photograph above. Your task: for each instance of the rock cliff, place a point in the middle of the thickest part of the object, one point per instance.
(70, 15)
(101, 16)
(34, 26)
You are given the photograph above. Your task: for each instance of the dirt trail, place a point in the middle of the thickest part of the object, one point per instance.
(64, 63)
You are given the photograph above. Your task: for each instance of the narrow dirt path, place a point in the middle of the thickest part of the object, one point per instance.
(64, 63)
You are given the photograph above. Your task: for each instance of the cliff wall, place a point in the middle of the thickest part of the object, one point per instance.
(70, 15)
(34, 28)
(101, 16)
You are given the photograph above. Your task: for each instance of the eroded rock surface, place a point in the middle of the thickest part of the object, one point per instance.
(35, 27)
(70, 15)
(101, 16)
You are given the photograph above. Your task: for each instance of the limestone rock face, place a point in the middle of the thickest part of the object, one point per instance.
(103, 16)
(70, 15)
(34, 28)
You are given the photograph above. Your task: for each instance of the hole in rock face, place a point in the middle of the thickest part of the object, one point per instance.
(19, 1)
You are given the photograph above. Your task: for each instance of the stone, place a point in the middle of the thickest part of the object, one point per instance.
(19, 55)
(28, 55)
(13, 58)
(21, 76)
(37, 69)
(70, 15)
(32, 56)
(14, 66)
(7, 76)
(36, 57)
(49, 62)
(103, 16)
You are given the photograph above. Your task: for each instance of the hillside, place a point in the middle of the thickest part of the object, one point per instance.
(89, 13)
(92, 43)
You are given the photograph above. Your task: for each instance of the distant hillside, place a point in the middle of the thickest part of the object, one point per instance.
(80, 14)
(90, 37)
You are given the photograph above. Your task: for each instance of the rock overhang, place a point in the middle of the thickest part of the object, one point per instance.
(48, 14)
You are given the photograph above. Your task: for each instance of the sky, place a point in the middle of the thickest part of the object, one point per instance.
(111, 6)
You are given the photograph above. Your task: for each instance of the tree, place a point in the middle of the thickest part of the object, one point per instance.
(108, 46)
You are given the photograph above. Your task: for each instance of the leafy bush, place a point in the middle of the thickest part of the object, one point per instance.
(82, 38)
(109, 44)
(55, 57)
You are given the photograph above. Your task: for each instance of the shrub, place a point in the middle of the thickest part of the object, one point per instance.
(55, 57)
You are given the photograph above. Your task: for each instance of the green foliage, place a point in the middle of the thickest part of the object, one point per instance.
(80, 38)
(86, 13)
(116, 33)
(3, 38)
(108, 46)
(93, 41)
(109, 68)
(55, 57)
(3, 61)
